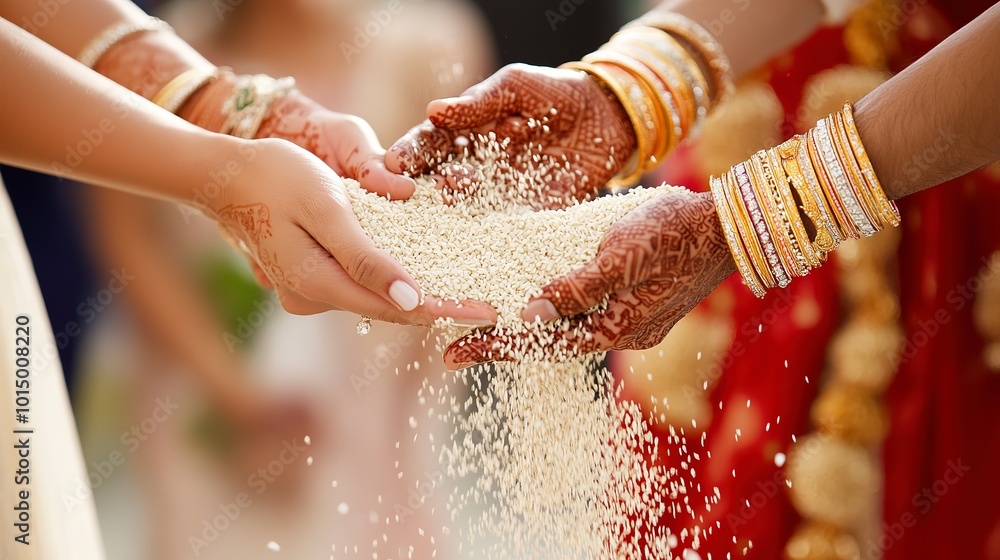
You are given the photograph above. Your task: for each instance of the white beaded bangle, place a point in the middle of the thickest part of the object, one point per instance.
(112, 35)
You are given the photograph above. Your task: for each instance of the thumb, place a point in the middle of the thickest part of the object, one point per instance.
(578, 291)
(362, 158)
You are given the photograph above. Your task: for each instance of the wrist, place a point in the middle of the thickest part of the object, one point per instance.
(221, 160)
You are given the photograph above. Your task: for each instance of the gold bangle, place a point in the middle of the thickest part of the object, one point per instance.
(806, 254)
(651, 103)
(114, 34)
(850, 165)
(702, 41)
(889, 211)
(812, 200)
(183, 86)
(683, 111)
(819, 171)
(610, 83)
(683, 74)
(736, 248)
(765, 188)
(756, 236)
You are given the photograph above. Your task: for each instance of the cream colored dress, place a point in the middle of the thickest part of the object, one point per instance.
(61, 524)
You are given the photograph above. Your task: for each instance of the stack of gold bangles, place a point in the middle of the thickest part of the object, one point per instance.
(825, 172)
(668, 72)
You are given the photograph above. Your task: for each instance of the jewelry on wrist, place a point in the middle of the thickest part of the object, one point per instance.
(246, 109)
(183, 86)
(837, 191)
(114, 34)
(632, 172)
(703, 42)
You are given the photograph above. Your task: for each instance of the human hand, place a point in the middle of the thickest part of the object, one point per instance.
(563, 114)
(291, 214)
(654, 265)
(344, 142)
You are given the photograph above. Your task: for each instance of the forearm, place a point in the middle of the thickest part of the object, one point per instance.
(751, 31)
(937, 119)
(60, 118)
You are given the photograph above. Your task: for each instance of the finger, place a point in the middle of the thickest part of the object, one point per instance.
(332, 223)
(489, 101)
(362, 158)
(578, 291)
(574, 337)
(423, 148)
(327, 285)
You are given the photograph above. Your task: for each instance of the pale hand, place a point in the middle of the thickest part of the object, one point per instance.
(292, 215)
(583, 123)
(654, 266)
(344, 142)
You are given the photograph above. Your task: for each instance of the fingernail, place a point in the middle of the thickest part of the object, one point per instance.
(540, 309)
(404, 295)
(468, 322)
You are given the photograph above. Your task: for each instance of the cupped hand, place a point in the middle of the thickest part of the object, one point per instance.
(344, 142)
(564, 114)
(292, 215)
(653, 266)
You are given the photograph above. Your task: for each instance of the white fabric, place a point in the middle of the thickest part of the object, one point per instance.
(63, 523)
(837, 11)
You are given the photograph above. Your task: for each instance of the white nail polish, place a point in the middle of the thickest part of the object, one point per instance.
(404, 295)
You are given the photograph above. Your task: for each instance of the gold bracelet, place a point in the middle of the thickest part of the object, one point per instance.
(844, 222)
(740, 256)
(812, 200)
(252, 98)
(651, 103)
(114, 34)
(776, 218)
(183, 86)
(702, 41)
(850, 165)
(889, 211)
(683, 74)
(610, 83)
(805, 254)
(755, 231)
(670, 79)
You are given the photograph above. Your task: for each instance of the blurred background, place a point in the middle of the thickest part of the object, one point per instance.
(871, 384)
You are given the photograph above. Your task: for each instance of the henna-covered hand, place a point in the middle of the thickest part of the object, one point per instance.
(562, 114)
(653, 266)
(292, 216)
(344, 142)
